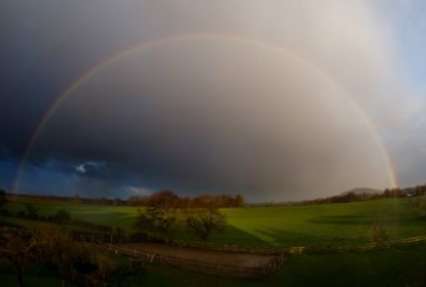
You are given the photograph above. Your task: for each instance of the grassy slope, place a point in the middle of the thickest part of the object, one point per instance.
(348, 223)
(287, 226)
(328, 223)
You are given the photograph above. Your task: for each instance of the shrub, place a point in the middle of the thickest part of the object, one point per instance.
(75, 261)
(16, 248)
(204, 222)
(379, 235)
(62, 216)
(31, 211)
(156, 222)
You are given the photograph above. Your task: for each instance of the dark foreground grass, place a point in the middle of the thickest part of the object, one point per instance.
(332, 225)
(33, 276)
(403, 266)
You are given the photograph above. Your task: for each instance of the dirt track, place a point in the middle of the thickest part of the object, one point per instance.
(238, 264)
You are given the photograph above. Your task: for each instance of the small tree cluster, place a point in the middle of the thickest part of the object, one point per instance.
(16, 247)
(169, 199)
(52, 248)
(156, 222)
(204, 222)
(30, 211)
(160, 223)
(61, 216)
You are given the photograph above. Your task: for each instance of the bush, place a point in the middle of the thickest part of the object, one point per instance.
(379, 235)
(156, 222)
(61, 216)
(16, 248)
(75, 261)
(204, 222)
(31, 211)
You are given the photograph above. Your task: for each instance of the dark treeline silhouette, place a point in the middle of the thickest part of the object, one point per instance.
(169, 199)
(351, 196)
(76, 199)
(419, 190)
(162, 199)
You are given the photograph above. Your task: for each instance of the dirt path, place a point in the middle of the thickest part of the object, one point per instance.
(221, 262)
(208, 261)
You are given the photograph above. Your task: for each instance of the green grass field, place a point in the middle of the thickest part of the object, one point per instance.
(310, 225)
(330, 225)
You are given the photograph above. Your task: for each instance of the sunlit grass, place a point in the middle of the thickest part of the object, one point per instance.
(310, 225)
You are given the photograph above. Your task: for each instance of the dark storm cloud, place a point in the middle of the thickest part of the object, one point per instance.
(45, 46)
(204, 114)
(188, 118)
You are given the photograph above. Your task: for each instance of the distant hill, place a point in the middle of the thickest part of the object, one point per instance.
(363, 190)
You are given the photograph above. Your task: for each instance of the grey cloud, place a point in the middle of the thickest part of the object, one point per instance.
(221, 115)
(89, 166)
(214, 113)
(347, 40)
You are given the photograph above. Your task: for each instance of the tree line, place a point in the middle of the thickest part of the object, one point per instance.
(169, 199)
(164, 215)
(163, 199)
(397, 192)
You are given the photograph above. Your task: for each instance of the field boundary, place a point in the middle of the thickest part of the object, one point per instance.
(200, 264)
(364, 247)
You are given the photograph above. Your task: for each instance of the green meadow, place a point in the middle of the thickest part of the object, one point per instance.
(322, 225)
(275, 226)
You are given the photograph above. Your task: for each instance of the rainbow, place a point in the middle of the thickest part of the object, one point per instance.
(138, 47)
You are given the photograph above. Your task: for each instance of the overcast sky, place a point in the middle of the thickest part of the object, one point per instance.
(277, 100)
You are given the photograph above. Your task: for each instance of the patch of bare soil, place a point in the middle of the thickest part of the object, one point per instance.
(210, 261)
